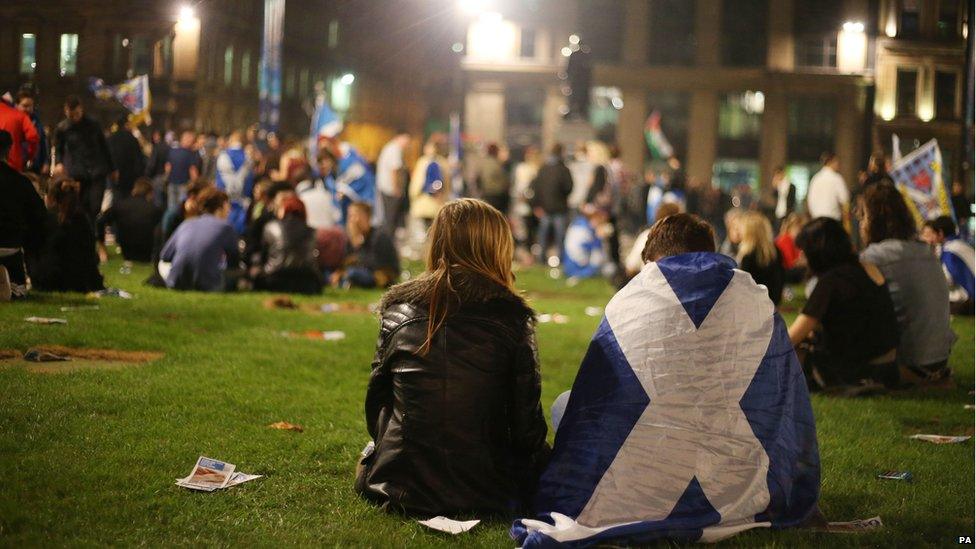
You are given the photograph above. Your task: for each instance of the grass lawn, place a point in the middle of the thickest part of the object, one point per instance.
(89, 457)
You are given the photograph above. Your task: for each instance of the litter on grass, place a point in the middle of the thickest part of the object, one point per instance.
(896, 475)
(554, 318)
(209, 475)
(285, 426)
(855, 526)
(110, 292)
(940, 439)
(594, 311)
(40, 355)
(45, 320)
(968, 407)
(328, 335)
(450, 526)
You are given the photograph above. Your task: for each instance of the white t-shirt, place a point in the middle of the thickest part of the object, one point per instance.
(390, 160)
(320, 211)
(827, 195)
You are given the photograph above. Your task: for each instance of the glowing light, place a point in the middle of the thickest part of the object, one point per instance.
(925, 111)
(473, 7)
(574, 39)
(566, 51)
(852, 47)
(347, 79)
(617, 102)
(853, 26)
(888, 111)
(187, 13)
(457, 47)
(891, 28)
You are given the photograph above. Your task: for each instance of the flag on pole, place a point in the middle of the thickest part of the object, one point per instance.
(919, 177)
(325, 124)
(133, 94)
(656, 141)
(689, 418)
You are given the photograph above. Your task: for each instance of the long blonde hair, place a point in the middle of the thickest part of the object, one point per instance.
(757, 236)
(467, 236)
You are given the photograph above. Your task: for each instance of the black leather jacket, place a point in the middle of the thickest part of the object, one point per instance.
(288, 245)
(461, 429)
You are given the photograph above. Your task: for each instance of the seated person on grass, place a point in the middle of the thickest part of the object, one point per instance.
(957, 261)
(689, 418)
(202, 247)
(22, 217)
(287, 261)
(136, 220)
(852, 307)
(68, 259)
(371, 259)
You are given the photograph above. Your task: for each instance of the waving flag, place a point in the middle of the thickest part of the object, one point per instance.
(658, 144)
(918, 175)
(133, 94)
(325, 123)
(689, 418)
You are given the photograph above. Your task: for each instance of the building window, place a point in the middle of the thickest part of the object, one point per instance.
(141, 56)
(246, 69)
(947, 26)
(739, 124)
(810, 127)
(734, 174)
(945, 95)
(906, 91)
(605, 106)
(69, 55)
(229, 66)
(817, 51)
(333, 34)
(671, 36)
(28, 53)
(744, 33)
(910, 18)
(527, 48)
(600, 22)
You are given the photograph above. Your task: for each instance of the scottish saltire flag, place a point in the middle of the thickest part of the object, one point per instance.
(659, 145)
(133, 94)
(325, 124)
(918, 175)
(353, 182)
(689, 418)
(583, 255)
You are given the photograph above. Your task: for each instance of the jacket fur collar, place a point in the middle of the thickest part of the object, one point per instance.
(473, 290)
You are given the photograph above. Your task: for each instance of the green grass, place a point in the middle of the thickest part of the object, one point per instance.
(89, 458)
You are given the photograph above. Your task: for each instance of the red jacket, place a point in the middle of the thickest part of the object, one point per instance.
(21, 130)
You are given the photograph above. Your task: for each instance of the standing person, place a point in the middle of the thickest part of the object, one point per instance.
(430, 183)
(127, 157)
(958, 262)
(206, 147)
(81, 153)
(371, 258)
(851, 306)
(784, 193)
(156, 165)
(962, 206)
(22, 132)
(40, 163)
(352, 180)
(67, 261)
(202, 248)
(758, 255)
(828, 195)
(550, 195)
(523, 220)
(478, 446)
(22, 223)
(390, 180)
(492, 179)
(916, 282)
(182, 168)
(236, 178)
(137, 220)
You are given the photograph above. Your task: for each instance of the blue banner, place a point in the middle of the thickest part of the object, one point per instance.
(270, 79)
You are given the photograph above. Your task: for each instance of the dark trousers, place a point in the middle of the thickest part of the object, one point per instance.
(15, 268)
(92, 193)
(392, 213)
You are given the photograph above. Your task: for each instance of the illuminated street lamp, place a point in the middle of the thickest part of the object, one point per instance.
(347, 79)
(187, 13)
(852, 47)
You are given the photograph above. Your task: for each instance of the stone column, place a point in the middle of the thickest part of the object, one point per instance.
(847, 136)
(630, 128)
(484, 111)
(635, 33)
(773, 146)
(708, 32)
(702, 135)
(780, 52)
(551, 117)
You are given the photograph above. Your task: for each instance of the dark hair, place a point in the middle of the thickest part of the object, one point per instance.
(275, 188)
(677, 234)
(24, 94)
(557, 150)
(292, 205)
(324, 153)
(886, 214)
(363, 207)
(826, 244)
(72, 102)
(65, 194)
(943, 224)
(211, 199)
(6, 141)
(827, 156)
(142, 188)
(492, 150)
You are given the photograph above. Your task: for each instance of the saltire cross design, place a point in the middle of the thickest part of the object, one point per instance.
(689, 418)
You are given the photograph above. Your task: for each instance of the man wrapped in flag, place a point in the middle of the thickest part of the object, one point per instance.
(689, 418)
(352, 180)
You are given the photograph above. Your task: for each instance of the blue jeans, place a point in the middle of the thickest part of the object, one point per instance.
(559, 409)
(555, 224)
(359, 277)
(175, 196)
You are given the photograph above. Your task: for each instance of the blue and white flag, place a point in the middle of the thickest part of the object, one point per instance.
(325, 124)
(919, 177)
(133, 94)
(583, 255)
(689, 418)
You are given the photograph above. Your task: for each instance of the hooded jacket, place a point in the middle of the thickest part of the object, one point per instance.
(461, 429)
